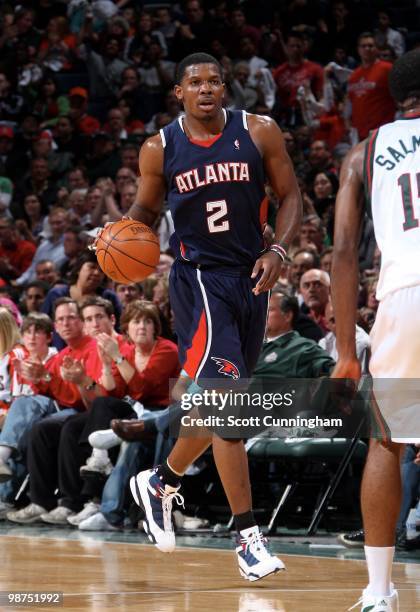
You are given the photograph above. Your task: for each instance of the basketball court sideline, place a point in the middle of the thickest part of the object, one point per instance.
(94, 572)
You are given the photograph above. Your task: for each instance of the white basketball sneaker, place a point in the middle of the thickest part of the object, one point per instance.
(254, 559)
(370, 603)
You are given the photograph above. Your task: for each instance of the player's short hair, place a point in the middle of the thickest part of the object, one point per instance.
(196, 58)
(40, 320)
(404, 78)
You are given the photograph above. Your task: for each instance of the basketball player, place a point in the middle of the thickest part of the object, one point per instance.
(213, 165)
(390, 162)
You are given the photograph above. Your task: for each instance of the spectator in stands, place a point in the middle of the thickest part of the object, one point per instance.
(46, 272)
(74, 243)
(49, 105)
(192, 27)
(57, 49)
(302, 261)
(39, 182)
(128, 293)
(326, 260)
(286, 354)
(15, 254)
(312, 233)
(149, 360)
(315, 289)
(371, 101)
(105, 69)
(115, 126)
(69, 380)
(85, 124)
(293, 73)
(104, 159)
(50, 248)
(130, 160)
(67, 140)
(9, 338)
(11, 103)
(385, 35)
(34, 213)
(34, 296)
(87, 279)
(329, 342)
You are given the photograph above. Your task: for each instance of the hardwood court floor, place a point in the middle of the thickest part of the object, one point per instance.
(102, 576)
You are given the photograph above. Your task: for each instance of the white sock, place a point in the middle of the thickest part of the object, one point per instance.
(5, 453)
(379, 561)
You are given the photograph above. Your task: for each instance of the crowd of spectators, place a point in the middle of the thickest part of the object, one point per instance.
(82, 85)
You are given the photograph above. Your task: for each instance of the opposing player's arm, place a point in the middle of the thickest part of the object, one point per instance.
(349, 208)
(279, 168)
(152, 186)
(268, 138)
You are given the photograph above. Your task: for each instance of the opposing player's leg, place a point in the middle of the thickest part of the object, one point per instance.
(381, 500)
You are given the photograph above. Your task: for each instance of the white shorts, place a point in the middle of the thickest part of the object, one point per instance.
(395, 363)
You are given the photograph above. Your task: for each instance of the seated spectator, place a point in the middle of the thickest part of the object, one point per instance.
(103, 159)
(46, 272)
(115, 126)
(69, 381)
(9, 339)
(329, 342)
(15, 254)
(128, 293)
(87, 279)
(51, 248)
(315, 289)
(129, 160)
(74, 243)
(39, 182)
(291, 356)
(85, 124)
(33, 297)
(172, 109)
(326, 260)
(11, 103)
(68, 140)
(33, 216)
(302, 261)
(49, 104)
(312, 233)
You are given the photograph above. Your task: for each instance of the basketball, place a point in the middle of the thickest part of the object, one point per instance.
(127, 251)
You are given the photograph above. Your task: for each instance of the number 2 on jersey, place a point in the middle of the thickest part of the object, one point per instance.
(404, 181)
(218, 208)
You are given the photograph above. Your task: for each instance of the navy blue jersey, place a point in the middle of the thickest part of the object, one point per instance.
(216, 194)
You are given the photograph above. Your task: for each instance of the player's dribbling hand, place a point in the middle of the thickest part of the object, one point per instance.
(270, 264)
(92, 247)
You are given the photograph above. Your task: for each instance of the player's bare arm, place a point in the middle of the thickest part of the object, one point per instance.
(349, 210)
(268, 138)
(152, 185)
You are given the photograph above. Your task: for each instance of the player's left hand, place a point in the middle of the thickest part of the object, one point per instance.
(270, 265)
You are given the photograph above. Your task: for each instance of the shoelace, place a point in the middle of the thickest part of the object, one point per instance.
(167, 499)
(256, 540)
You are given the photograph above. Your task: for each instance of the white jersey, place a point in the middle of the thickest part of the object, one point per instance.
(392, 180)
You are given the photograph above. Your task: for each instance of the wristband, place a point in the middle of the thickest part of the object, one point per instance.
(279, 250)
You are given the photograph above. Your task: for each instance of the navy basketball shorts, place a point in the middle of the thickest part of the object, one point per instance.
(219, 322)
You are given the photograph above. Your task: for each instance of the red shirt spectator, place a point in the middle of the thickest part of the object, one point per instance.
(296, 72)
(151, 386)
(372, 104)
(15, 254)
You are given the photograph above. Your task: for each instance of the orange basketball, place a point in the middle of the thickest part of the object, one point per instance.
(127, 251)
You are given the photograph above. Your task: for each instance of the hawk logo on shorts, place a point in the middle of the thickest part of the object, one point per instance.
(227, 367)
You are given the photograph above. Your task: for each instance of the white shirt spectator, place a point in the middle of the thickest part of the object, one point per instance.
(329, 344)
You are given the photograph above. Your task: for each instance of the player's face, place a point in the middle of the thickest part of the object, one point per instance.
(201, 91)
